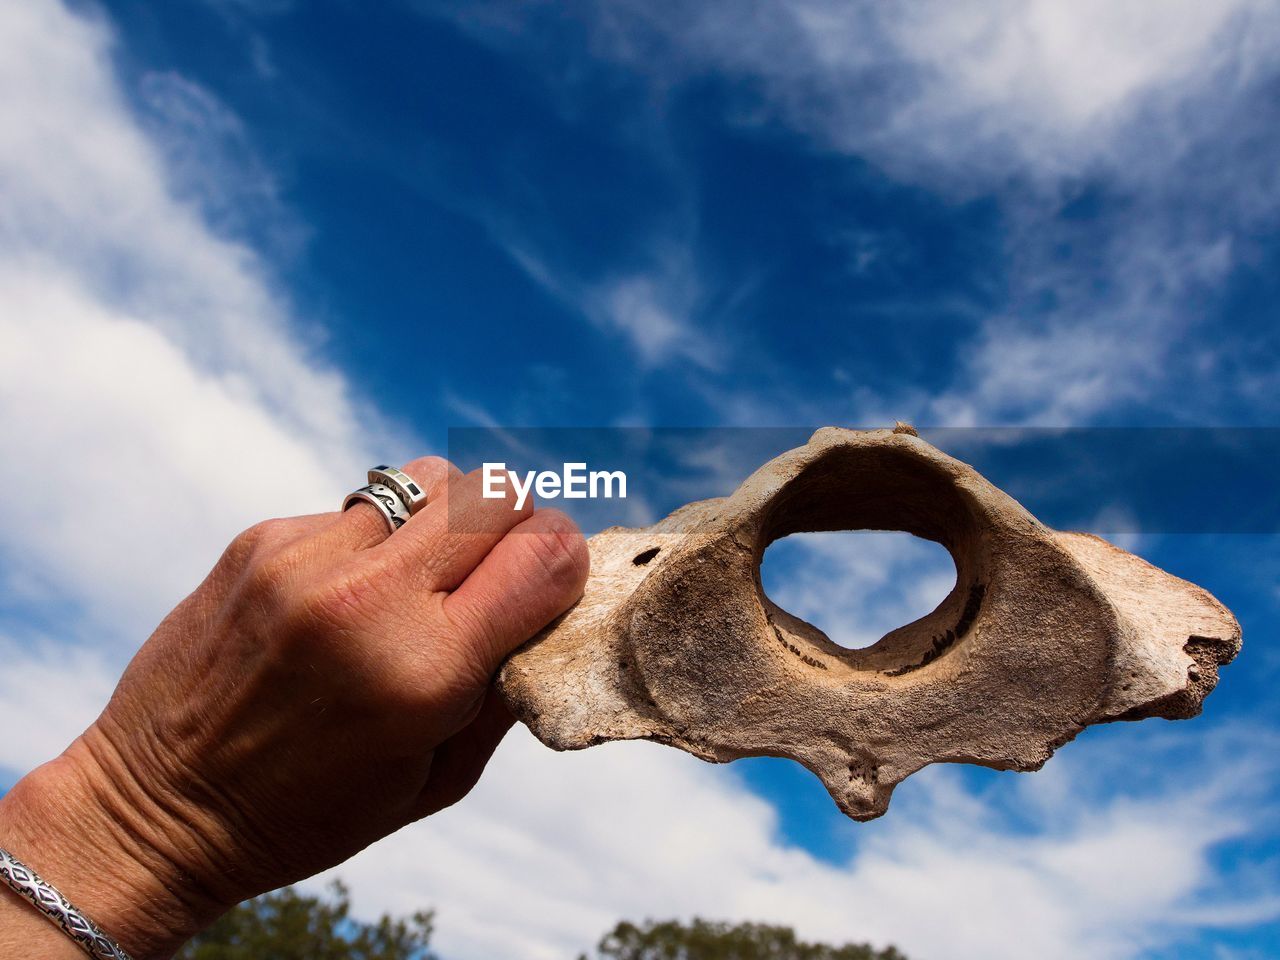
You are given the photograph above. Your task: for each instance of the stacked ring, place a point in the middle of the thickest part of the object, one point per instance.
(385, 500)
(405, 487)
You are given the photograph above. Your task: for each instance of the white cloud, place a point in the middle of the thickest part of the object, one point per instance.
(551, 850)
(1116, 328)
(129, 465)
(1039, 86)
(960, 87)
(155, 394)
(653, 309)
(210, 160)
(48, 695)
(634, 306)
(1029, 99)
(856, 587)
(82, 187)
(1162, 104)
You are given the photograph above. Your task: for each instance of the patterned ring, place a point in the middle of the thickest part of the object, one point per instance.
(384, 500)
(55, 908)
(405, 487)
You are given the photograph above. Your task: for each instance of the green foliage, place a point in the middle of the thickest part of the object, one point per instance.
(287, 925)
(705, 940)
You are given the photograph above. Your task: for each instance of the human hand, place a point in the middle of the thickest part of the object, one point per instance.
(325, 685)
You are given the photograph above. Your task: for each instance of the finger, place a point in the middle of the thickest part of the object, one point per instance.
(458, 762)
(440, 547)
(362, 525)
(533, 575)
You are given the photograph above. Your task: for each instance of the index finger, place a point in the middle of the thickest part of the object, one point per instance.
(534, 574)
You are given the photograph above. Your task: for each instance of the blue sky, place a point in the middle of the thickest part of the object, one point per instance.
(239, 233)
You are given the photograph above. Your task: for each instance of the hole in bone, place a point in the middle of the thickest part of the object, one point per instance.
(642, 558)
(857, 586)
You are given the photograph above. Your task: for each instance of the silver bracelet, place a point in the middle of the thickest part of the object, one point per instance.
(55, 908)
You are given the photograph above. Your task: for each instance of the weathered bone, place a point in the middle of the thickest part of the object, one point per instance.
(1043, 634)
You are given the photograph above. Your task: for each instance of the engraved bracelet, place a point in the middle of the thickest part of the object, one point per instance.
(57, 909)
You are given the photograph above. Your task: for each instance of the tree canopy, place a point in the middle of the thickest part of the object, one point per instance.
(708, 940)
(288, 925)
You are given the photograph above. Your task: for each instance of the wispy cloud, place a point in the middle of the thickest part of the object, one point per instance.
(655, 309)
(1101, 129)
(948, 91)
(211, 162)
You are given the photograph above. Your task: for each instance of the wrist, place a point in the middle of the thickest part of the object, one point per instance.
(24, 932)
(75, 823)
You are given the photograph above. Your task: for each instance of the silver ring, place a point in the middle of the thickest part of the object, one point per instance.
(405, 487)
(385, 500)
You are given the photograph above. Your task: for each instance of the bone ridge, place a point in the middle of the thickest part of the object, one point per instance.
(1044, 633)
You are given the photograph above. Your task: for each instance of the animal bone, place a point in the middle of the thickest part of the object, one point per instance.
(1044, 633)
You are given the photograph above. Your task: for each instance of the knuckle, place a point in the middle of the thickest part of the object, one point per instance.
(265, 533)
(429, 471)
(270, 578)
(501, 497)
(558, 550)
(252, 542)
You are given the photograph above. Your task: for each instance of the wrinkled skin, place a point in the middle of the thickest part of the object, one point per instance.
(325, 685)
